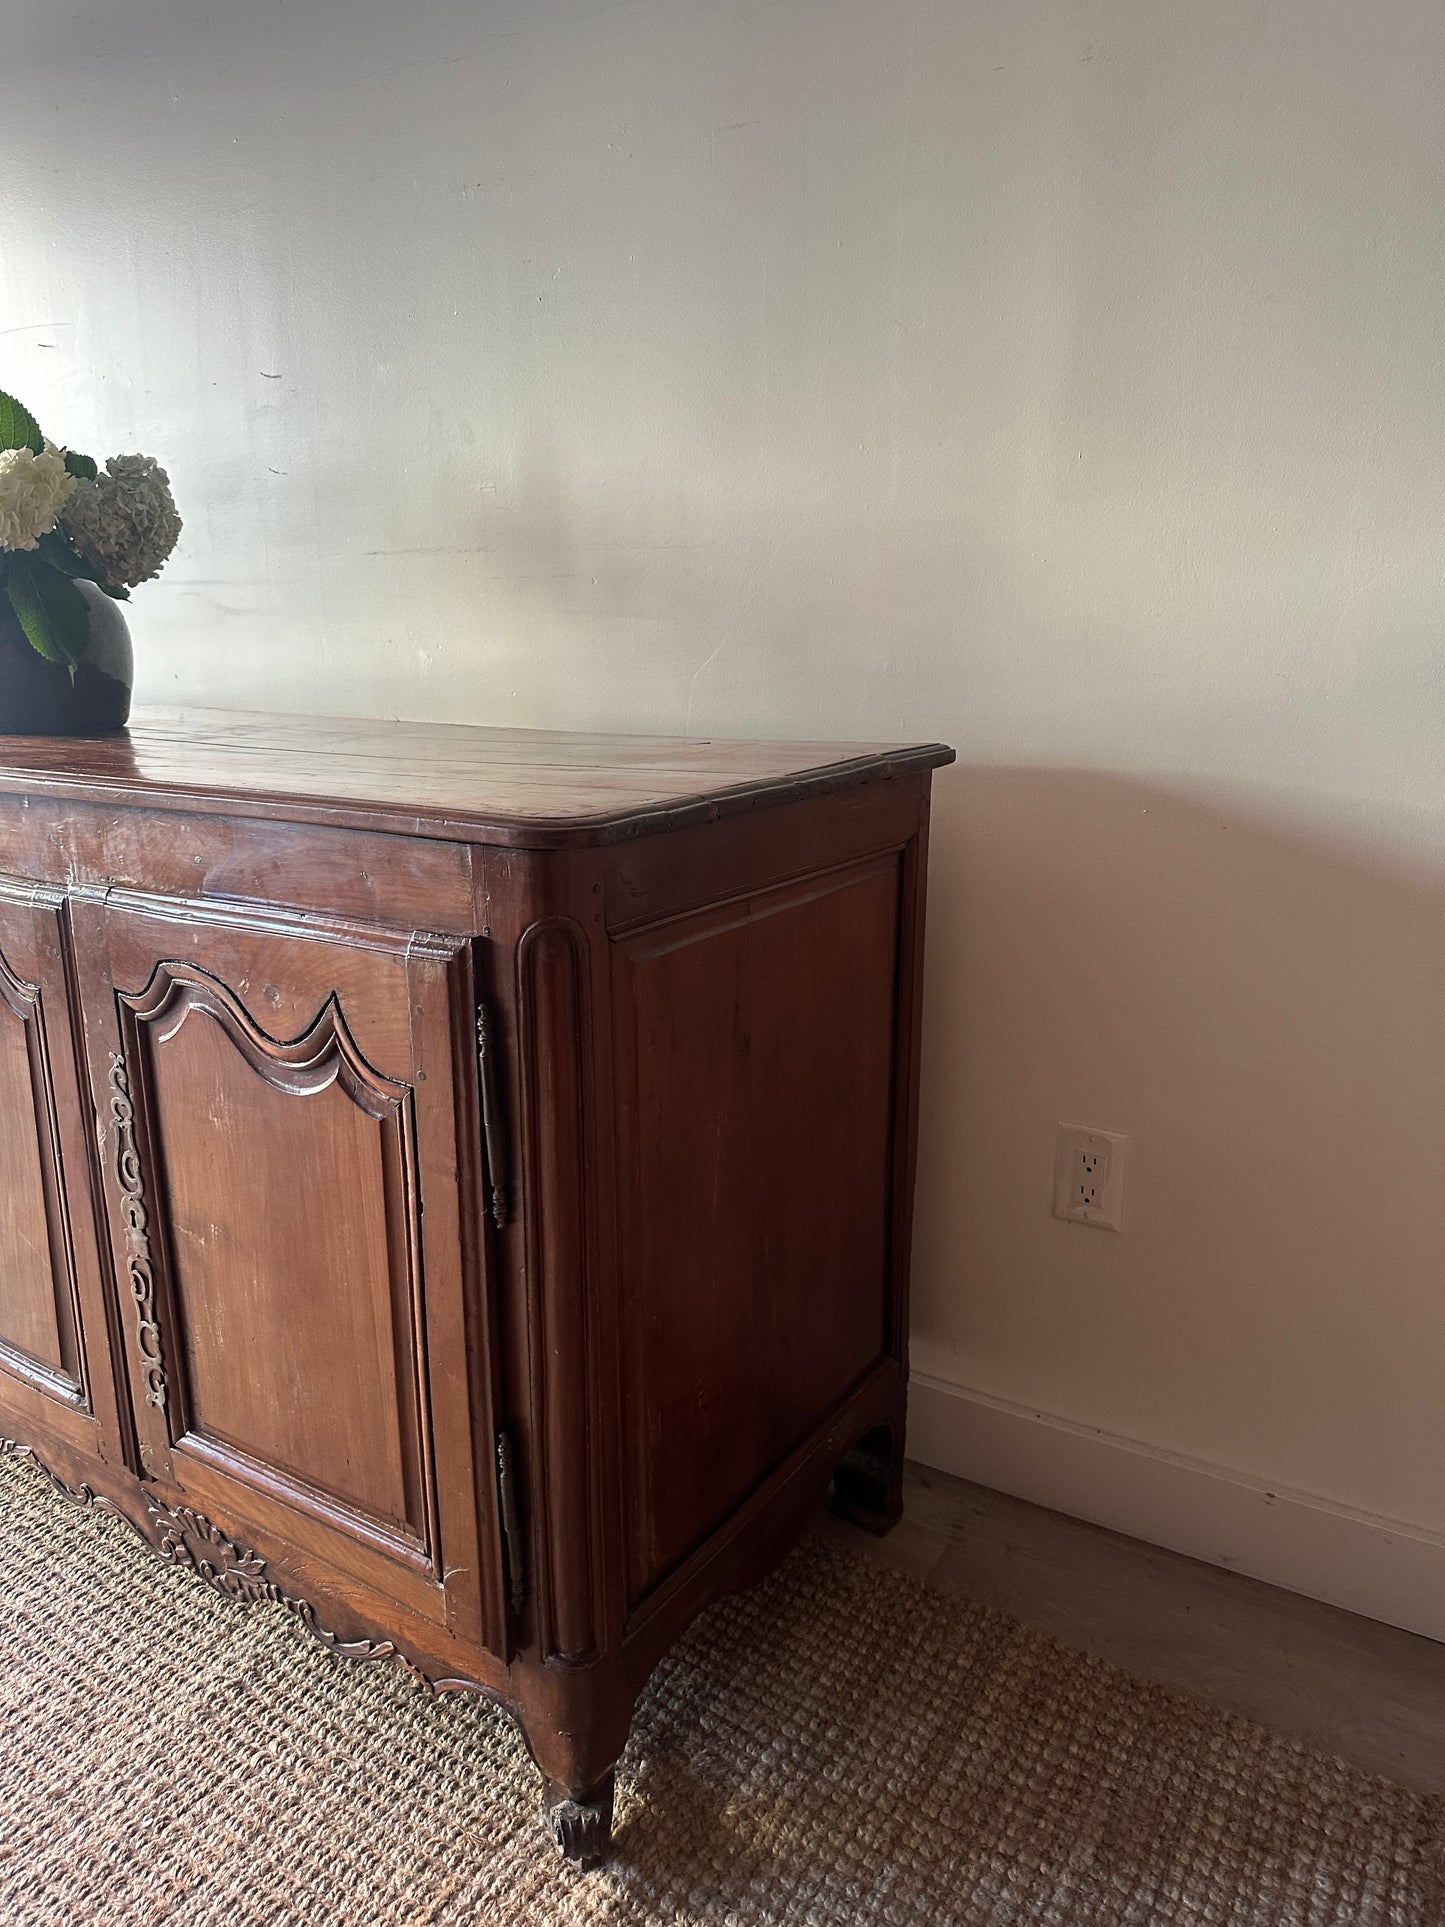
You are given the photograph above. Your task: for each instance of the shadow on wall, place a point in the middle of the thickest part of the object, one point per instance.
(1259, 1002)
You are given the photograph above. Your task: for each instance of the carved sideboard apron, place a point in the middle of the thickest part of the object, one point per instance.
(455, 1183)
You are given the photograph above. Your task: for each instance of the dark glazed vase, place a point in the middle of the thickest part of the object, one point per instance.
(39, 698)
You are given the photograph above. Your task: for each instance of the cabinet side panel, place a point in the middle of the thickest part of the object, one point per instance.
(755, 1096)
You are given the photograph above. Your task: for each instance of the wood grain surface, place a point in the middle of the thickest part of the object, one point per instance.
(514, 787)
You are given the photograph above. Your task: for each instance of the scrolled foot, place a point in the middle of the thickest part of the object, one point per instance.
(581, 1824)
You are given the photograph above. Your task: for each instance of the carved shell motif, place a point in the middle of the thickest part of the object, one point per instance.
(186, 1538)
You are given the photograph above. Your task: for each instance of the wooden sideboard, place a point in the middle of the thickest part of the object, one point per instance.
(455, 1183)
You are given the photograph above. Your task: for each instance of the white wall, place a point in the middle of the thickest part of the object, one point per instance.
(1061, 377)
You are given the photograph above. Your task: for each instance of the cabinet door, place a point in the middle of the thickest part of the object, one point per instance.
(289, 1155)
(55, 1374)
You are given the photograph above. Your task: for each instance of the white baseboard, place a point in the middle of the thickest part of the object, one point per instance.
(1381, 1567)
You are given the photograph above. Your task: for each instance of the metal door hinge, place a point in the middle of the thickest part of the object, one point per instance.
(494, 1137)
(511, 1523)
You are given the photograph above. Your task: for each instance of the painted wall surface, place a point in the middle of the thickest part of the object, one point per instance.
(1063, 378)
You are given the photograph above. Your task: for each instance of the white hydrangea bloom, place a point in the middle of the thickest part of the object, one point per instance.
(124, 523)
(33, 490)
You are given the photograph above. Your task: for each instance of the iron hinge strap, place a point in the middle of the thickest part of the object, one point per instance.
(511, 1523)
(493, 1135)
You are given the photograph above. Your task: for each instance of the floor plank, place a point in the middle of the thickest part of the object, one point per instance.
(1347, 1685)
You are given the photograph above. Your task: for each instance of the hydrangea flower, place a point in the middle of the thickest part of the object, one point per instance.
(124, 523)
(33, 491)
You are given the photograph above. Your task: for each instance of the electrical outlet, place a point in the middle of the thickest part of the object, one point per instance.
(1089, 1176)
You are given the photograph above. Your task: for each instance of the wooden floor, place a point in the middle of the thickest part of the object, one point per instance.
(1343, 1684)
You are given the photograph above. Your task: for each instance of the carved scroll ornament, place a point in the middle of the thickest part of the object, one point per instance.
(188, 1539)
(25, 1455)
(138, 1262)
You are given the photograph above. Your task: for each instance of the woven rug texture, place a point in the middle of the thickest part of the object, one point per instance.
(843, 1745)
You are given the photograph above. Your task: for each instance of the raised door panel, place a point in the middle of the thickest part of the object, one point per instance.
(285, 1102)
(291, 1196)
(37, 1324)
(51, 1316)
(756, 1056)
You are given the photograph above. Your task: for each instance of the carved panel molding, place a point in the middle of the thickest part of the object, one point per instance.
(22, 998)
(324, 1053)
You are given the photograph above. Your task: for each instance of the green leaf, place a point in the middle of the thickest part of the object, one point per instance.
(80, 465)
(18, 427)
(53, 613)
(29, 610)
(61, 554)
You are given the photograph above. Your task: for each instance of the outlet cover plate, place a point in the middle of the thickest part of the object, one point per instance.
(1089, 1169)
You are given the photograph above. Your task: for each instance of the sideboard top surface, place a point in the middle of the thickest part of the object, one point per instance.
(521, 787)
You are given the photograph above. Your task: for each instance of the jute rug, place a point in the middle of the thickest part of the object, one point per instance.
(842, 1746)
